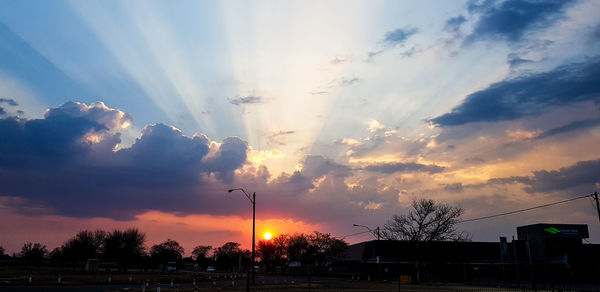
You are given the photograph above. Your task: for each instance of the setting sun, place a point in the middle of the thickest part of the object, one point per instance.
(267, 235)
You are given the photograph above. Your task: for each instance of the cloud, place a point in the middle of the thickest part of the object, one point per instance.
(528, 95)
(514, 60)
(453, 188)
(509, 20)
(570, 127)
(582, 176)
(399, 36)
(317, 166)
(69, 162)
(338, 60)
(595, 33)
(231, 155)
(9, 101)
(348, 82)
(250, 99)
(453, 24)
(393, 167)
(280, 132)
(583, 173)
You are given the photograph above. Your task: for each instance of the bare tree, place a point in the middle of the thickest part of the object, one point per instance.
(428, 221)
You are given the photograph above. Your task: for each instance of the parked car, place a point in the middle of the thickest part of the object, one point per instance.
(172, 266)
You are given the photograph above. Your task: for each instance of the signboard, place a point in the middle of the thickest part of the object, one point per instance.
(544, 230)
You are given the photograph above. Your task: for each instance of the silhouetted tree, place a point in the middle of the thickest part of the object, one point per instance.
(266, 251)
(125, 247)
(33, 253)
(168, 251)
(201, 254)
(83, 246)
(3, 254)
(230, 255)
(324, 248)
(427, 221)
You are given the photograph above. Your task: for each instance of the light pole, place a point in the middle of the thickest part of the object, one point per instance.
(376, 231)
(253, 201)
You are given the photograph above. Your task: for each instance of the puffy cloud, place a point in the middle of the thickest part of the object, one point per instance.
(96, 112)
(511, 19)
(68, 161)
(528, 95)
(230, 155)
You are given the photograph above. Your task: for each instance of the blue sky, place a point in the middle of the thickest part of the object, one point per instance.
(332, 111)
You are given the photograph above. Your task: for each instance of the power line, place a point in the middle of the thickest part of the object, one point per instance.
(353, 234)
(526, 209)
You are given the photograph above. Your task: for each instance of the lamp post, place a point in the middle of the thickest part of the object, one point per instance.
(253, 201)
(376, 231)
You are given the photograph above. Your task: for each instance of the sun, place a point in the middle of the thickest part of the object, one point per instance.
(267, 235)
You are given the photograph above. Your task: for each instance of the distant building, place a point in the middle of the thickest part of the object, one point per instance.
(548, 254)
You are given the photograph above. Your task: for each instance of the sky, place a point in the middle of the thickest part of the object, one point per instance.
(118, 114)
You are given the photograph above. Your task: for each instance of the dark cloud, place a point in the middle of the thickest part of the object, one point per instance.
(68, 161)
(9, 101)
(394, 167)
(528, 95)
(231, 155)
(570, 127)
(514, 60)
(453, 24)
(595, 34)
(317, 166)
(582, 176)
(510, 19)
(399, 36)
(250, 99)
(2, 111)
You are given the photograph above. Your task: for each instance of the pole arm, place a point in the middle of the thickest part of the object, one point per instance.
(245, 193)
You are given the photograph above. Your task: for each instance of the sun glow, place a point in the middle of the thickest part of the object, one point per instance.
(267, 235)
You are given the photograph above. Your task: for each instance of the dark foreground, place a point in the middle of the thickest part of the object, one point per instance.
(263, 283)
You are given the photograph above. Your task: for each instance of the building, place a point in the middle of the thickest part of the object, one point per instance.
(543, 254)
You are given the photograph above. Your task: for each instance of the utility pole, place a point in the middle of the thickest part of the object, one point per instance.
(597, 204)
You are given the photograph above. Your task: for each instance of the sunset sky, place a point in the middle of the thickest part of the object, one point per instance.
(117, 114)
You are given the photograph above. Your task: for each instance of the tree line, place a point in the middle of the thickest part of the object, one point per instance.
(426, 221)
(127, 248)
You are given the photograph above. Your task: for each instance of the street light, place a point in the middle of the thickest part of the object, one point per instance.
(376, 231)
(253, 201)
